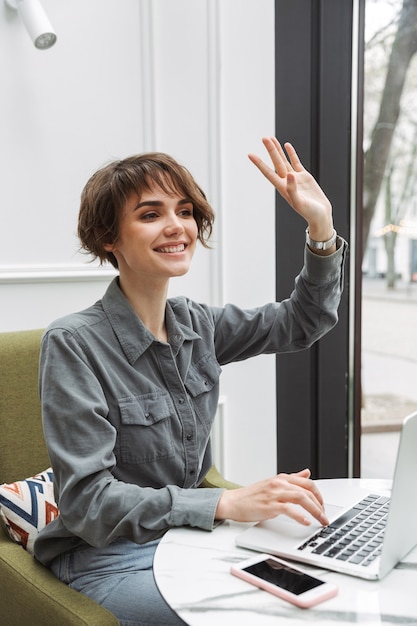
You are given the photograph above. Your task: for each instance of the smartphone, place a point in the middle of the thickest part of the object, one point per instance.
(284, 580)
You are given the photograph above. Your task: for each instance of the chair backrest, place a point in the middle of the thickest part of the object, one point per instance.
(22, 446)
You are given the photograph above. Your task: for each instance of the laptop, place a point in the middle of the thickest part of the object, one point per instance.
(369, 532)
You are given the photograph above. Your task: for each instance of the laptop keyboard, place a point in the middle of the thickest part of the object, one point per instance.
(356, 536)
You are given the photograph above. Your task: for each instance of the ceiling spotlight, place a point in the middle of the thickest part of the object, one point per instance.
(36, 22)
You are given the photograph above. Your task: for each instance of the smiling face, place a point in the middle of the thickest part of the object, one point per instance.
(109, 190)
(157, 236)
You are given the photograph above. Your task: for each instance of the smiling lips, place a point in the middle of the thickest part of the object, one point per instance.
(172, 249)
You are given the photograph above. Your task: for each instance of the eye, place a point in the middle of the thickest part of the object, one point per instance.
(149, 217)
(187, 211)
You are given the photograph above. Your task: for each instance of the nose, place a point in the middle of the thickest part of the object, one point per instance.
(173, 225)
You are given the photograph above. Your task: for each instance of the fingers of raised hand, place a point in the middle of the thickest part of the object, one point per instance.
(277, 155)
(294, 158)
(267, 171)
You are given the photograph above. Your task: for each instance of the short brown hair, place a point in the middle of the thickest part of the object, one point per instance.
(106, 192)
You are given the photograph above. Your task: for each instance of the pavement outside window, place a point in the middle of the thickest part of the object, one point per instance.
(389, 371)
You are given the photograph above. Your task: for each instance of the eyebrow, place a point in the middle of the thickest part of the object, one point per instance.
(158, 203)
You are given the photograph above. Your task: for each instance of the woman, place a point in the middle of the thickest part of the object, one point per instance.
(129, 387)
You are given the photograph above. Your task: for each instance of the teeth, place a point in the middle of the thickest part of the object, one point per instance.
(179, 248)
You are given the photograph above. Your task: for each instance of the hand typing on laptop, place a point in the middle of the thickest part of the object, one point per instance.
(274, 496)
(368, 533)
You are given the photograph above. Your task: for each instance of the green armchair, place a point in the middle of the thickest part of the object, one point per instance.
(29, 592)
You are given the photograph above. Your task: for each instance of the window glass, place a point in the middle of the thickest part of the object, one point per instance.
(389, 285)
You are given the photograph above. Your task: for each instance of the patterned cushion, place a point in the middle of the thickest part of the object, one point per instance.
(27, 506)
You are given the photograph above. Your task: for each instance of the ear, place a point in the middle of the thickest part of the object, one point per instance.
(109, 247)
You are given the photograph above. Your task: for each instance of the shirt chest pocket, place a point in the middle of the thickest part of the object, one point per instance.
(145, 432)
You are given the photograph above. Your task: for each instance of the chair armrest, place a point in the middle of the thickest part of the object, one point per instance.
(31, 594)
(213, 478)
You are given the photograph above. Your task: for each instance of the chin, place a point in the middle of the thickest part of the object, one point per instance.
(179, 273)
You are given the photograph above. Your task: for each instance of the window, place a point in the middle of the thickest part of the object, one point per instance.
(389, 286)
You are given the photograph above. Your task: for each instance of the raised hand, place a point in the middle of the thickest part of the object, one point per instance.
(297, 186)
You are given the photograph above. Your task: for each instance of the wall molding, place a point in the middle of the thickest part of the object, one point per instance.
(147, 73)
(215, 154)
(29, 274)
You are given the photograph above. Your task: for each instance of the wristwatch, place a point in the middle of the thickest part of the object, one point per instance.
(321, 245)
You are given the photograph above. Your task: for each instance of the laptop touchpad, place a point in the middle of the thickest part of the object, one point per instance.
(287, 526)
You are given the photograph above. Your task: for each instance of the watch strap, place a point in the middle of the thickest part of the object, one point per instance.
(321, 245)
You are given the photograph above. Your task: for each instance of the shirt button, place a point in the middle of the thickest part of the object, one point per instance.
(181, 400)
(189, 437)
(192, 472)
(148, 416)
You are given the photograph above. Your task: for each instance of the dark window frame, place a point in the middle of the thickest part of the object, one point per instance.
(318, 390)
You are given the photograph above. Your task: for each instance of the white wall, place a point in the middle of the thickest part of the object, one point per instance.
(194, 79)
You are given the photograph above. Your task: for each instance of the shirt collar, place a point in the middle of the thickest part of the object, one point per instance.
(131, 333)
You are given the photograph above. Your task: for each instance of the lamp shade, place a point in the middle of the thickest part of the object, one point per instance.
(36, 22)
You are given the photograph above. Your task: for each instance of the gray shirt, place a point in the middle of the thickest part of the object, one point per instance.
(127, 418)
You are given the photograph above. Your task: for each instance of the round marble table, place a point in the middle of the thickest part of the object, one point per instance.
(192, 570)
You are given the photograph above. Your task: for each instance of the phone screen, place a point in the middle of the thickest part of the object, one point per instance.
(283, 576)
